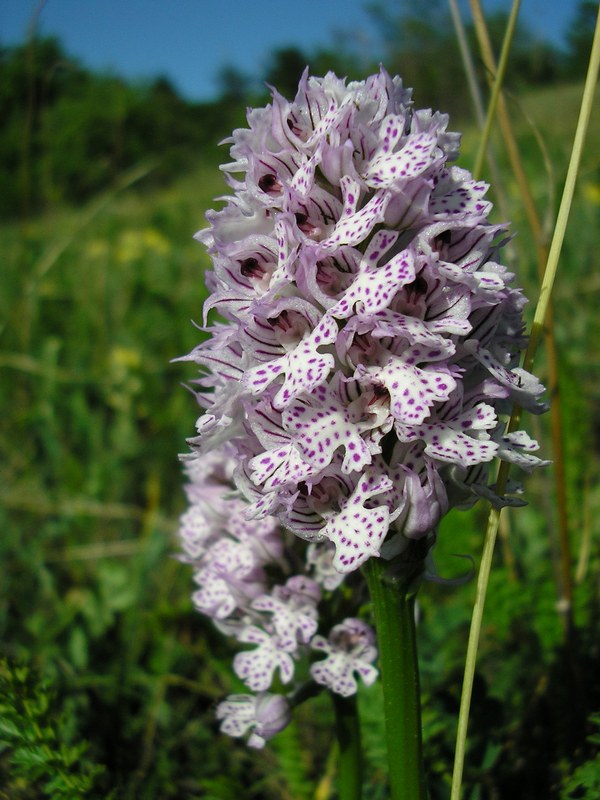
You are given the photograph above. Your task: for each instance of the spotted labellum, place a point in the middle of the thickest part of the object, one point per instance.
(357, 382)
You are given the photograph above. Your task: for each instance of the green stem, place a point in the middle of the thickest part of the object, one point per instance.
(496, 89)
(534, 339)
(347, 727)
(394, 606)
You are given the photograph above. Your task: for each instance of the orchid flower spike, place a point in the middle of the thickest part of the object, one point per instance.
(357, 384)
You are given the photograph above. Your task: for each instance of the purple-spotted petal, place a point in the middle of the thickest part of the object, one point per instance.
(356, 531)
(374, 287)
(413, 390)
(355, 227)
(303, 368)
(517, 448)
(390, 168)
(350, 650)
(322, 424)
(257, 667)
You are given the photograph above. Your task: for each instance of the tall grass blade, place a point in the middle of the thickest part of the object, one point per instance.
(467, 59)
(489, 62)
(496, 89)
(585, 547)
(567, 198)
(477, 100)
(537, 328)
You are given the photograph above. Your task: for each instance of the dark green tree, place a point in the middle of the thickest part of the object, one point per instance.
(579, 38)
(32, 77)
(284, 69)
(233, 84)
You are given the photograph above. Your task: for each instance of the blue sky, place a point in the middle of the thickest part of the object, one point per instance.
(190, 40)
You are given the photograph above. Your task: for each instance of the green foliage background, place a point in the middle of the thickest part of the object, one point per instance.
(108, 678)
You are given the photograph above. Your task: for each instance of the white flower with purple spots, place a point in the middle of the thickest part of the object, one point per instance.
(358, 383)
(263, 715)
(350, 650)
(359, 317)
(293, 609)
(229, 577)
(272, 653)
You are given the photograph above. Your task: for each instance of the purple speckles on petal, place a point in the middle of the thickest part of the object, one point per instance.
(303, 368)
(355, 226)
(412, 390)
(349, 649)
(374, 286)
(358, 532)
(408, 163)
(328, 423)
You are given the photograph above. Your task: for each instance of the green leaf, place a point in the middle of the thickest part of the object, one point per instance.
(9, 729)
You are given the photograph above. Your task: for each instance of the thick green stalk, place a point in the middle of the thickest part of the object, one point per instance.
(347, 727)
(393, 601)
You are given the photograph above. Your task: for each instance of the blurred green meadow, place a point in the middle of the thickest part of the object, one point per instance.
(108, 678)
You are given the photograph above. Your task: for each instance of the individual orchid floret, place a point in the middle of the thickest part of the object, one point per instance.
(319, 557)
(357, 531)
(229, 578)
(263, 715)
(293, 609)
(304, 367)
(272, 653)
(350, 649)
(196, 532)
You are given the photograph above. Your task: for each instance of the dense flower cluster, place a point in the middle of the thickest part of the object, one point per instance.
(352, 393)
(229, 553)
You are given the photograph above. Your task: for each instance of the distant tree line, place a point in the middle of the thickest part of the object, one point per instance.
(67, 132)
